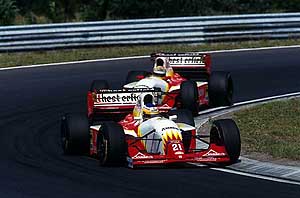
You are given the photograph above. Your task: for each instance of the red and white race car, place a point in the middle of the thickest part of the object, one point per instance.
(147, 137)
(184, 80)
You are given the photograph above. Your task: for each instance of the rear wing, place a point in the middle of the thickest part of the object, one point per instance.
(192, 65)
(116, 101)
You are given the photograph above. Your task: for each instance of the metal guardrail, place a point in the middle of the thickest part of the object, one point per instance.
(189, 30)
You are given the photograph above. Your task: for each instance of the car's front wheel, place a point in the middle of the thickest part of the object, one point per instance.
(111, 144)
(189, 96)
(220, 89)
(225, 132)
(184, 116)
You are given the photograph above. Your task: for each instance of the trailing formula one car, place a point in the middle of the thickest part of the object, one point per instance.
(148, 137)
(184, 81)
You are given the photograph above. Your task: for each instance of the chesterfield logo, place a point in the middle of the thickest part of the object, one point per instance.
(193, 60)
(117, 98)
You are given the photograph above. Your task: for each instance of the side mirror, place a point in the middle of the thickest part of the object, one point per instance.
(173, 117)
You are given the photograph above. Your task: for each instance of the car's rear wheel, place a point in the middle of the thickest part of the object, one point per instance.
(75, 135)
(134, 76)
(225, 132)
(189, 96)
(220, 89)
(98, 85)
(111, 144)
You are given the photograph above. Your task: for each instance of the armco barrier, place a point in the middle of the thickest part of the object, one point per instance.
(150, 31)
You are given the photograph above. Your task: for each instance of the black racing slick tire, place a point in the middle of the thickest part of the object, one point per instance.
(189, 96)
(183, 116)
(225, 132)
(111, 144)
(98, 85)
(220, 89)
(134, 76)
(75, 134)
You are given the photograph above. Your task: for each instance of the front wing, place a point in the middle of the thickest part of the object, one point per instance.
(213, 154)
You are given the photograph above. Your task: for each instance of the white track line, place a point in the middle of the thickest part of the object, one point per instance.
(267, 98)
(253, 49)
(138, 57)
(273, 179)
(73, 62)
(251, 102)
(256, 176)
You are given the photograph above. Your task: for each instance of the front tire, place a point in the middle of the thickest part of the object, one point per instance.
(184, 116)
(220, 89)
(189, 96)
(225, 132)
(75, 134)
(111, 144)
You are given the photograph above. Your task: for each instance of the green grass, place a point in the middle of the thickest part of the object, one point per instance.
(272, 128)
(29, 58)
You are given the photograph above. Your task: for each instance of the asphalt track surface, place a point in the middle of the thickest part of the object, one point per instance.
(32, 101)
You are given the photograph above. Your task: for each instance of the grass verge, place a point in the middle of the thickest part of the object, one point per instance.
(272, 129)
(41, 57)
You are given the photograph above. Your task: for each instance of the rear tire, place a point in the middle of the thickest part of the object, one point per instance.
(111, 144)
(225, 132)
(189, 96)
(220, 89)
(98, 85)
(134, 76)
(75, 134)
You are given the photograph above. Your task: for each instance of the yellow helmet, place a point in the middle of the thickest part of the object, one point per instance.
(148, 107)
(149, 111)
(145, 106)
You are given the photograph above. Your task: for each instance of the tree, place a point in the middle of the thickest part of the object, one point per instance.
(68, 8)
(63, 10)
(8, 11)
(94, 10)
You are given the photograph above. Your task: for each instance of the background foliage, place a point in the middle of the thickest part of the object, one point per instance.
(49, 11)
(8, 11)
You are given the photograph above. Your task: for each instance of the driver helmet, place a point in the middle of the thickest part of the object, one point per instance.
(160, 66)
(149, 109)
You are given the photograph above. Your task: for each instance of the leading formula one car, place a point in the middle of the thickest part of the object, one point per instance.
(148, 137)
(185, 81)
